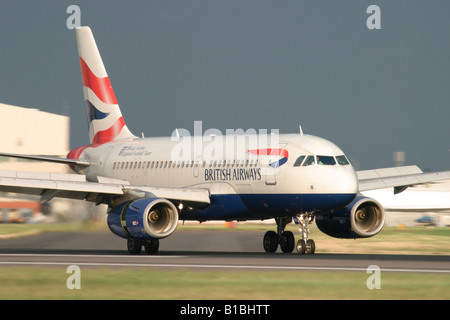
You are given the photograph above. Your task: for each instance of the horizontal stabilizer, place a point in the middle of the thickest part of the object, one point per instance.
(67, 161)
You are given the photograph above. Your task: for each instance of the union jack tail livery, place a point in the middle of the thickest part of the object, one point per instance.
(104, 117)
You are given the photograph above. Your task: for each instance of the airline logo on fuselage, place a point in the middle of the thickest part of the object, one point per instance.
(283, 153)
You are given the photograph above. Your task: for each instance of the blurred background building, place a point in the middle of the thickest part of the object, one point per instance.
(34, 132)
(31, 131)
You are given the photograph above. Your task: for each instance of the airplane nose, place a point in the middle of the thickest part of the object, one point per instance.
(346, 187)
(348, 181)
(341, 184)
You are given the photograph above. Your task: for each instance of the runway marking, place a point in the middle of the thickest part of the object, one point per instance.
(205, 266)
(85, 255)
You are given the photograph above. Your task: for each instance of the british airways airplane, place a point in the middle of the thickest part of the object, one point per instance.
(150, 184)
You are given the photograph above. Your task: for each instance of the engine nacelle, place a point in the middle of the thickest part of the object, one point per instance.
(362, 218)
(147, 218)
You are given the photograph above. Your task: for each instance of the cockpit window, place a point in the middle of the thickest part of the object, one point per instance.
(342, 160)
(299, 161)
(309, 161)
(326, 160)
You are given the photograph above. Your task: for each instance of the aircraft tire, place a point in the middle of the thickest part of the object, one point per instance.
(301, 246)
(134, 246)
(287, 242)
(310, 246)
(270, 241)
(151, 246)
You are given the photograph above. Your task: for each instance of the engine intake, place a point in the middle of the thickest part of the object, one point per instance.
(362, 218)
(147, 218)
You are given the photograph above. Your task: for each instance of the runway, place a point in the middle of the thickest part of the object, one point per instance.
(198, 250)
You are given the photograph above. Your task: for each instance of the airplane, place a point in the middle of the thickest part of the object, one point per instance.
(150, 184)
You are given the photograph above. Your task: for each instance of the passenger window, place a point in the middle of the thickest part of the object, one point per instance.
(299, 161)
(309, 161)
(342, 160)
(326, 160)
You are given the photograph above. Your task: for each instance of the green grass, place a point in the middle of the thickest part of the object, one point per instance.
(18, 230)
(139, 283)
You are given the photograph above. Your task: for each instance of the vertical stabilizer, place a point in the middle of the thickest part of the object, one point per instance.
(104, 117)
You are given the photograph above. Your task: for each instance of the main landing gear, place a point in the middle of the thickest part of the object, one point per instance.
(134, 246)
(286, 239)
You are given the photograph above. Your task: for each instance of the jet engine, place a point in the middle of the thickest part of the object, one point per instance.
(147, 218)
(362, 218)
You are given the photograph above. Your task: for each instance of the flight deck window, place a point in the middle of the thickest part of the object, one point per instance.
(299, 161)
(342, 160)
(326, 160)
(309, 161)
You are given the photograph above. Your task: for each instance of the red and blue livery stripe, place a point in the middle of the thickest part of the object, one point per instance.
(283, 153)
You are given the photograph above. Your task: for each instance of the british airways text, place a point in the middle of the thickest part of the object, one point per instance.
(232, 174)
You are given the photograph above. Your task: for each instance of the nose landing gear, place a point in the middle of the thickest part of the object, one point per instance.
(286, 239)
(305, 245)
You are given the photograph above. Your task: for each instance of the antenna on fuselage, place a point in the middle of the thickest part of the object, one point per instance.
(301, 131)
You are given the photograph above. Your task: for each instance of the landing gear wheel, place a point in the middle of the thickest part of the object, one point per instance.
(151, 246)
(305, 245)
(134, 246)
(310, 246)
(301, 246)
(270, 242)
(287, 242)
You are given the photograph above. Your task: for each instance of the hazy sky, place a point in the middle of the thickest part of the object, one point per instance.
(247, 64)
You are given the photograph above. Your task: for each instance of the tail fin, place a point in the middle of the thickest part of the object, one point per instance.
(104, 117)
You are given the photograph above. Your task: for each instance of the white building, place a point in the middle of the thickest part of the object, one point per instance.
(31, 131)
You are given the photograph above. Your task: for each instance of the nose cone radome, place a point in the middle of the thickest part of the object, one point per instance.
(341, 184)
(348, 182)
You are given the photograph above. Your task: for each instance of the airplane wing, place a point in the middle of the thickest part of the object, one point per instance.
(74, 186)
(398, 177)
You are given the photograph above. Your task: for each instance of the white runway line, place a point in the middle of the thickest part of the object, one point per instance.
(86, 255)
(211, 266)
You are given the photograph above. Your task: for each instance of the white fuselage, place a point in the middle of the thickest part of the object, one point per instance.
(231, 167)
